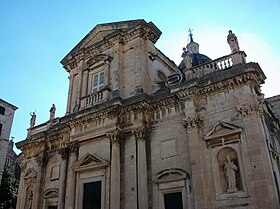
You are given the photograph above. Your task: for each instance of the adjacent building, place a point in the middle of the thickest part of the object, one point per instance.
(141, 132)
(7, 112)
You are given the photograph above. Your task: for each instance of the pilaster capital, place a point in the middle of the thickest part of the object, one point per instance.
(64, 152)
(140, 133)
(247, 110)
(192, 122)
(42, 159)
(73, 147)
(115, 136)
(22, 166)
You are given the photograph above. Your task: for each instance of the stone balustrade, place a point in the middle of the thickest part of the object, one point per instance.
(221, 63)
(94, 98)
(39, 128)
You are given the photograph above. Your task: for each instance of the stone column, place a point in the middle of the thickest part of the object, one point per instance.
(142, 179)
(115, 180)
(196, 162)
(37, 195)
(71, 176)
(63, 177)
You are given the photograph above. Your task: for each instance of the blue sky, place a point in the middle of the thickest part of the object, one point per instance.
(36, 35)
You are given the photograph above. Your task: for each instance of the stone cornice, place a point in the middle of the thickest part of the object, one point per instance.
(197, 89)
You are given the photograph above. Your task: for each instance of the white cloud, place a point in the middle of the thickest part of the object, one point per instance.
(212, 42)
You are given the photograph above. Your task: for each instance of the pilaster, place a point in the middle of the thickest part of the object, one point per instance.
(64, 152)
(142, 177)
(115, 137)
(42, 160)
(73, 148)
(192, 124)
(259, 179)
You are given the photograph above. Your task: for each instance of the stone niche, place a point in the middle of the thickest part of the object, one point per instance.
(224, 145)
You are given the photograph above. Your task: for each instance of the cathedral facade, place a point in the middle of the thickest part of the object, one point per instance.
(143, 133)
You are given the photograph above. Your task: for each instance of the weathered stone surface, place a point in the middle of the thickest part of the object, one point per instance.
(143, 140)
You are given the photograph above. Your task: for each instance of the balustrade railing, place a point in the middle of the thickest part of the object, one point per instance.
(39, 128)
(94, 98)
(222, 63)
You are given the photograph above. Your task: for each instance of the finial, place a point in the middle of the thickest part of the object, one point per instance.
(190, 34)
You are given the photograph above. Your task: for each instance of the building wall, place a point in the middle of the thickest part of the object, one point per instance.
(6, 121)
(144, 140)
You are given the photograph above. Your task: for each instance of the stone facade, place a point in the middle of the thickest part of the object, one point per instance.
(147, 134)
(7, 112)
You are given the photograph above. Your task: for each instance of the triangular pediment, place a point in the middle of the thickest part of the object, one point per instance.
(30, 173)
(222, 129)
(90, 161)
(101, 33)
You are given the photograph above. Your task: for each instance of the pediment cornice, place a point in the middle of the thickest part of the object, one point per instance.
(90, 162)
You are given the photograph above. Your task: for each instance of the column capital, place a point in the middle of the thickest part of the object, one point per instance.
(64, 152)
(115, 136)
(73, 147)
(247, 110)
(42, 159)
(140, 133)
(192, 122)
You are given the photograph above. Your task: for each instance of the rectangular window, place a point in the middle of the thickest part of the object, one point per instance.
(1, 126)
(2, 110)
(92, 195)
(52, 207)
(173, 200)
(97, 81)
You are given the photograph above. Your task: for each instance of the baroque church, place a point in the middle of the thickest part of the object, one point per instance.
(141, 132)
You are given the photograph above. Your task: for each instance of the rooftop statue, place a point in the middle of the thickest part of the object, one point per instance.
(233, 42)
(32, 119)
(52, 112)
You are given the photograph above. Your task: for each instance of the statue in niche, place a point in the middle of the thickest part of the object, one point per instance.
(52, 112)
(230, 169)
(33, 119)
(233, 42)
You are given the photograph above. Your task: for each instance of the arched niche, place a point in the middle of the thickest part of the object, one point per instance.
(229, 170)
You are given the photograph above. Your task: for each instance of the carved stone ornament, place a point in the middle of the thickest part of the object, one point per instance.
(30, 173)
(140, 133)
(192, 122)
(249, 109)
(97, 58)
(171, 174)
(90, 162)
(64, 152)
(174, 78)
(73, 147)
(42, 159)
(222, 133)
(51, 193)
(115, 136)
